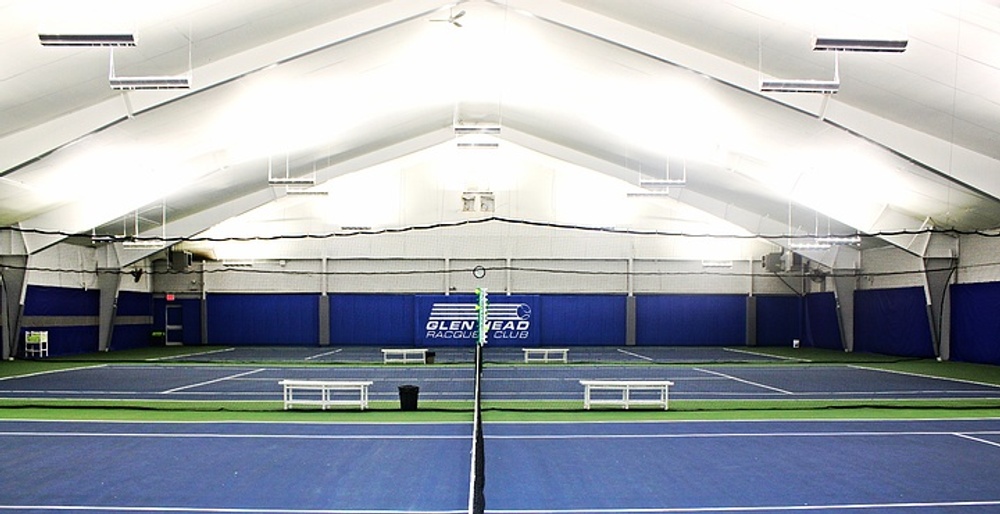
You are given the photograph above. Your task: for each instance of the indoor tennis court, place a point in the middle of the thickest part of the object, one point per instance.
(499, 256)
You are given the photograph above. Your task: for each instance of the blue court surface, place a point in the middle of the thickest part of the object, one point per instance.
(656, 467)
(500, 383)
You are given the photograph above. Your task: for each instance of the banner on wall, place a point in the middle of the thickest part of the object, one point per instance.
(451, 320)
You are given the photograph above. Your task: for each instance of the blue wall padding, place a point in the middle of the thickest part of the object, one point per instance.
(130, 336)
(597, 320)
(892, 322)
(822, 323)
(371, 319)
(264, 319)
(64, 301)
(132, 303)
(69, 340)
(779, 320)
(975, 325)
(691, 320)
(61, 301)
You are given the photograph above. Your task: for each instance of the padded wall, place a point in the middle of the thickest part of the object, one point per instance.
(892, 322)
(975, 325)
(596, 320)
(779, 320)
(263, 319)
(133, 320)
(822, 323)
(69, 315)
(691, 320)
(371, 319)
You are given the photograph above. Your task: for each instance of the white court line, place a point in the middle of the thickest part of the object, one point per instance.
(744, 381)
(770, 508)
(199, 384)
(196, 354)
(211, 435)
(324, 354)
(921, 375)
(758, 354)
(51, 371)
(111, 508)
(734, 435)
(631, 354)
(977, 439)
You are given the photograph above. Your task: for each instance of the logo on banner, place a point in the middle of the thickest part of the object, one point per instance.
(458, 321)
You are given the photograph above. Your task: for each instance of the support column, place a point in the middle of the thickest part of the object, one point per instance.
(13, 287)
(109, 283)
(938, 273)
(844, 284)
(630, 320)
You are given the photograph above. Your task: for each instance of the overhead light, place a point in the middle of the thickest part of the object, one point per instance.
(859, 45)
(150, 83)
(800, 86)
(87, 39)
(716, 264)
(291, 181)
(839, 240)
(661, 183)
(649, 194)
(465, 130)
(237, 264)
(142, 244)
(810, 246)
(478, 146)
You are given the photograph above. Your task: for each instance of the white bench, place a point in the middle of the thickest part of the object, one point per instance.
(545, 354)
(626, 388)
(404, 355)
(325, 388)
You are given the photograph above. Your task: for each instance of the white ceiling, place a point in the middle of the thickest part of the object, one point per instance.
(617, 88)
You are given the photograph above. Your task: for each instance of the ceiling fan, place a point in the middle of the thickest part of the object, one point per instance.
(453, 18)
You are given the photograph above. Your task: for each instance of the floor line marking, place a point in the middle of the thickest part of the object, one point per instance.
(195, 354)
(51, 371)
(207, 382)
(977, 439)
(768, 508)
(759, 354)
(324, 354)
(744, 381)
(636, 355)
(922, 375)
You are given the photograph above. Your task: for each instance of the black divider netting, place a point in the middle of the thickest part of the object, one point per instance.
(477, 479)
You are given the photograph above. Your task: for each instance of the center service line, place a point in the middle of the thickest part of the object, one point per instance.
(223, 379)
(755, 384)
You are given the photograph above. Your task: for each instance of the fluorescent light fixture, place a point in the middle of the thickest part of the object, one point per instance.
(661, 183)
(142, 244)
(291, 181)
(810, 246)
(716, 264)
(839, 240)
(859, 45)
(800, 86)
(237, 264)
(489, 130)
(649, 194)
(87, 39)
(478, 146)
(150, 83)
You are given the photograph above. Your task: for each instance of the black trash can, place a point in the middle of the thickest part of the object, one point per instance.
(408, 395)
(431, 354)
